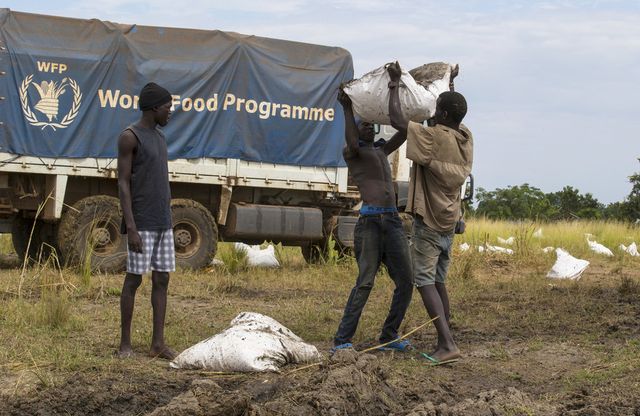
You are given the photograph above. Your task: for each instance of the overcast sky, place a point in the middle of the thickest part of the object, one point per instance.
(552, 87)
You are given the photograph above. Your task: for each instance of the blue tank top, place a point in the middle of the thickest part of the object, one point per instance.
(150, 191)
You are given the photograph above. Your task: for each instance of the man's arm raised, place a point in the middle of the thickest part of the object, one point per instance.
(351, 130)
(395, 142)
(454, 73)
(398, 121)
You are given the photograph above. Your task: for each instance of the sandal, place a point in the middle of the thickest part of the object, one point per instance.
(433, 361)
(397, 345)
(341, 347)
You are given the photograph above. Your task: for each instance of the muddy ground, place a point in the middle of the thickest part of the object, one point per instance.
(511, 370)
(519, 383)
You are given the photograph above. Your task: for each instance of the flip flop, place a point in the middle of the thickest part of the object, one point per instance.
(433, 361)
(397, 345)
(341, 347)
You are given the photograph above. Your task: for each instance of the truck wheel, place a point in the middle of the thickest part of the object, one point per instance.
(195, 234)
(91, 230)
(43, 241)
(313, 253)
(318, 253)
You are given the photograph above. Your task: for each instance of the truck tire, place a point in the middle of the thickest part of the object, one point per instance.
(94, 224)
(318, 253)
(313, 253)
(43, 239)
(195, 234)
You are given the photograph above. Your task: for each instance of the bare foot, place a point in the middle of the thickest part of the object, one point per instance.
(446, 355)
(126, 354)
(166, 353)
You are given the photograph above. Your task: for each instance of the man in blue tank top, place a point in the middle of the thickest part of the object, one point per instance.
(145, 198)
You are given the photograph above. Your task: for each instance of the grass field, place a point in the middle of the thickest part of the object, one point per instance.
(530, 345)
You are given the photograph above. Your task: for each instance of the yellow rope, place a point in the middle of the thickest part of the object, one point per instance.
(369, 349)
(398, 339)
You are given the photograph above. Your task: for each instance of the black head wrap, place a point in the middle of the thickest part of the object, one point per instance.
(153, 95)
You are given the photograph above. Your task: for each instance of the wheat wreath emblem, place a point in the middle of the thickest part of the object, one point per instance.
(48, 104)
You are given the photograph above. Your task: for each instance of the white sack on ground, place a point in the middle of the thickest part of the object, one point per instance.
(509, 240)
(632, 249)
(567, 266)
(547, 249)
(538, 233)
(252, 343)
(497, 249)
(370, 95)
(464, 247)
(599, 248)
(258, 257)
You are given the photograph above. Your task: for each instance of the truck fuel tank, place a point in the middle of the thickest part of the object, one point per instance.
(273, 223)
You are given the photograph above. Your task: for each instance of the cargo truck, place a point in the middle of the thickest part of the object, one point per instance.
(255, 139)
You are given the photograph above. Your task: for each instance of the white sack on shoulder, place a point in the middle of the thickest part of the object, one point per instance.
(258, 257)
(252, 343)
(567, 266)
(370, 96)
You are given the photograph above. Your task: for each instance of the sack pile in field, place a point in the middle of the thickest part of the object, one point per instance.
(419, 92)
(567, 266)
(252, 343)
(632, 249)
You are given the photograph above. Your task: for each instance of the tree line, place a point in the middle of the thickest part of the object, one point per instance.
(528, 202)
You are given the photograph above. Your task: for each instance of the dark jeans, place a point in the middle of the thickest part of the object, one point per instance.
(378, 238)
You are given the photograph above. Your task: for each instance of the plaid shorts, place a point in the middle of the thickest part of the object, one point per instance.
(158, 253)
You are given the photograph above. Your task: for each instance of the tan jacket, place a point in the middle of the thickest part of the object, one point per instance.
(443, 157)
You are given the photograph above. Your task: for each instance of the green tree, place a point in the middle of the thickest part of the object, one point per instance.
(569, 202)
(631, 205)
(468, 209)
(613, 211)
(514, 203)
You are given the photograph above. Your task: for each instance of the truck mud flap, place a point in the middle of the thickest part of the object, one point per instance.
(344, 230)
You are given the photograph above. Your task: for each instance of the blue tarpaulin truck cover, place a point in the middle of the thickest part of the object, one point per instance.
(70, 87)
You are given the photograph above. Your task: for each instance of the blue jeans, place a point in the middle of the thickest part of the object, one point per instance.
(378, 238)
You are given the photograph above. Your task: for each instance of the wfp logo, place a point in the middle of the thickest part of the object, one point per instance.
(50, 92)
